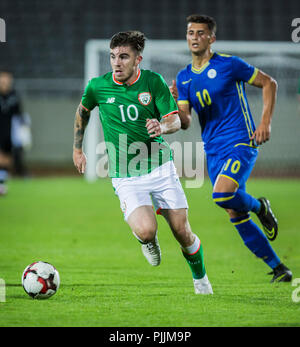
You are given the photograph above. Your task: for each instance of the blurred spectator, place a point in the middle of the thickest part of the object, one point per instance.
(12, 134)
(21, 141)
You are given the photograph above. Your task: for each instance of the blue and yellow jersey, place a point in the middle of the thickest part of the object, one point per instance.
(216, 92)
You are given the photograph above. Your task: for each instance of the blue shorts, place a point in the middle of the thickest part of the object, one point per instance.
(235, 164)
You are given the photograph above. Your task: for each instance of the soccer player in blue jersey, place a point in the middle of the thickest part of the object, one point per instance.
(213, 85)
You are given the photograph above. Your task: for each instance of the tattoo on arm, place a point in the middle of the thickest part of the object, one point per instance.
(81, 120)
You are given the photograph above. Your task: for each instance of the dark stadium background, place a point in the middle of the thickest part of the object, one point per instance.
(45, 42)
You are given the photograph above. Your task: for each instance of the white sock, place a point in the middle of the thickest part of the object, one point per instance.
(194, 247)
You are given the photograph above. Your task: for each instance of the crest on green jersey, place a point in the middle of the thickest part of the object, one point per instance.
(145, 98)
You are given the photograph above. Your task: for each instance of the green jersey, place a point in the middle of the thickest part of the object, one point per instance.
(123, 111)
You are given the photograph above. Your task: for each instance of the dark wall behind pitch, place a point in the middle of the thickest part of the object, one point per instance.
(45, 39)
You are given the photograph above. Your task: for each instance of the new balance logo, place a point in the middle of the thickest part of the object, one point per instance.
(110, 100)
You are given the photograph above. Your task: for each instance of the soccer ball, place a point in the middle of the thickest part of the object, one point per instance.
(40, 280)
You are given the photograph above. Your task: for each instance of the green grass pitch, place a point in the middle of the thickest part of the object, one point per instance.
(106, 281)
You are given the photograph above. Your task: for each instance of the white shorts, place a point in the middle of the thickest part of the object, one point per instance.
(161, 188)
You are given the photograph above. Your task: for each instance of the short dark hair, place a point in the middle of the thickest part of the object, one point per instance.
(202, 18)
(133, 38)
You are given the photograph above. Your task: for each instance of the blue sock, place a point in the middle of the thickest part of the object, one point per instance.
(255, 240)
(239, 201)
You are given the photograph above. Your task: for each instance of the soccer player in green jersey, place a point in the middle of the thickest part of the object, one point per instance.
(135, 109)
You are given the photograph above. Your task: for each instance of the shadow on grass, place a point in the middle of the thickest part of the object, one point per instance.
(104, 286)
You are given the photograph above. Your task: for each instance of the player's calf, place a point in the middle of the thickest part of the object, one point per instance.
(180, 226)
(239, 201)
(195, 259)
(191, 248)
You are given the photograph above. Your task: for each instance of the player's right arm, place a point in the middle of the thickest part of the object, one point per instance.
(82, 117)
(184, 109)
(81, 120)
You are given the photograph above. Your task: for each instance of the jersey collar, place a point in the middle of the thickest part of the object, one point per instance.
(121, 83)
(203, 67)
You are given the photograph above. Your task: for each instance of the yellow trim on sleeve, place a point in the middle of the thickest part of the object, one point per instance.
(183, 102)
(244, 111)
(253, 76)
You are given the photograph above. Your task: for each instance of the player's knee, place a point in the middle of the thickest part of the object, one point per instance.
(145, 232)
(233, 214)
(223, 200)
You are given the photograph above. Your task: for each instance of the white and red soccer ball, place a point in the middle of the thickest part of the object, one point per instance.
(40, 280)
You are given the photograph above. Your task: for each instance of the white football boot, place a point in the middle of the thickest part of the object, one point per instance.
(203, 286)
(152, 253)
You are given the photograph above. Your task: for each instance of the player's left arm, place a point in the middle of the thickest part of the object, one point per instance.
(168, 125)
(269, 92)
(169, 122)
